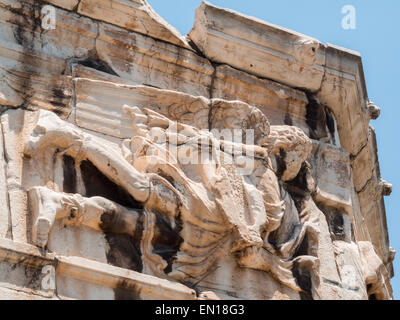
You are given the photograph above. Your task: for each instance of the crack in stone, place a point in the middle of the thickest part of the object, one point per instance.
(366, 185)
(353, 157)
(213, 77)
(75, 9)
(9, 234)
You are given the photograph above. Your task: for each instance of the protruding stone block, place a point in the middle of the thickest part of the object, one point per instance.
(259, 48)
(133, 15)
(66, 4)
(143, 60)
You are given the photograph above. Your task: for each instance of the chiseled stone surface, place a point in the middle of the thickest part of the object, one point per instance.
(134, 15)
(138, 164)
(146, 61)
(258, 48)
(66, 4)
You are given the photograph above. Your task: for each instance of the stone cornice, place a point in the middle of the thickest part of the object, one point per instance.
(93, 272)
(133, 15)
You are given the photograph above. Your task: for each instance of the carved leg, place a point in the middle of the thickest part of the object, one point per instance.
(278, 261)
(260, 259)
(53, 133)
(97, 213)
(289, 248)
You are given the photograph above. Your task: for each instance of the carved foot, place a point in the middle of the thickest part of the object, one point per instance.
(260, 259)
(44, 215)
(47, 206)
(307, 262)
(43, 227)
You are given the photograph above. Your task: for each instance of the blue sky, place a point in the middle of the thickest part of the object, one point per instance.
(377, 38)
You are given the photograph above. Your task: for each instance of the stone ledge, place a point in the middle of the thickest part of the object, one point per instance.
(133, 15)
(65, 4)
(257, 47)
(25, 254)
(89, 271)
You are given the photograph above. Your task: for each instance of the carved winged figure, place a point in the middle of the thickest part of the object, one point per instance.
(187, 213)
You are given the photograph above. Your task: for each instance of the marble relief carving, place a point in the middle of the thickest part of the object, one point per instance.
(141, 164)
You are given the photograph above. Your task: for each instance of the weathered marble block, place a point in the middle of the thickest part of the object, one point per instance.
(235, 163)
